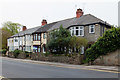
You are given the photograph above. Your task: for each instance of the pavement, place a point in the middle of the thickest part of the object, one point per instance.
(112, 69)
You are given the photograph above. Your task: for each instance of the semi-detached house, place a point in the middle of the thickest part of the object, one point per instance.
(35, 39)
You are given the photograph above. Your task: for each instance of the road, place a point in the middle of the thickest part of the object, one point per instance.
(17, 69)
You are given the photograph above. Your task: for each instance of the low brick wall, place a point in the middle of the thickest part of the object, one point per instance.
(77, 59)
(20, 56)
(112, 59)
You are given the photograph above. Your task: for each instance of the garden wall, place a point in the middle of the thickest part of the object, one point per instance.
(77, 59)
(111, 59)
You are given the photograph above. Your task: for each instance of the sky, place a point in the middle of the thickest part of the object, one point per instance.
(31, 12)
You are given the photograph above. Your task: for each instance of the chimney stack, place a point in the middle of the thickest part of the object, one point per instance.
(44, 22)
(24, 28)
(79, 13)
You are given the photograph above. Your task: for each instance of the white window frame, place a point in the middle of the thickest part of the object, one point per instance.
(82, 30)
(73, 30)
(90, 26)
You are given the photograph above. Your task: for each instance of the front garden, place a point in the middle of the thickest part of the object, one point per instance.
(64, 48)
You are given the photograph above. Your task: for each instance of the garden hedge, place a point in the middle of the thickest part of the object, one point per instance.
(109, 42)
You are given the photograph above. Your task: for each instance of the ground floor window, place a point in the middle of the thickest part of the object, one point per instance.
(36, 48)
(28, 48)
(82, 50)
(11, 48)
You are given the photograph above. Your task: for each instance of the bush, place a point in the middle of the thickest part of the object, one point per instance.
(109, 42)
(16, 53)
(27, 54)
(4, 51)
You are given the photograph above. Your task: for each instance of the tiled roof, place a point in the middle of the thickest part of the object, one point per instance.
(28, 31)
(83, 20)
(45, 27)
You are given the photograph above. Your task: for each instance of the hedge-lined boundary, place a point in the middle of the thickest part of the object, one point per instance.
(109, 42)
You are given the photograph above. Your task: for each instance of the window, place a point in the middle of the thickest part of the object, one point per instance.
(36, 49)
(43, 35)
(28, 48)
(78, 31)
(39, 49)
(28, 37)
(36, 37)
(81, 31)
(82, 50)
(91, 29)
(16, 40)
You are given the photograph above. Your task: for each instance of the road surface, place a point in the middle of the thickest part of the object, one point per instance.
(16, 69)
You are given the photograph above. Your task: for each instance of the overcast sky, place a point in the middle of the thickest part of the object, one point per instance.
(31, 12)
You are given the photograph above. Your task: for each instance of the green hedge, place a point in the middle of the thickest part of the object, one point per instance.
(4, 51)
(16, 53)
(109, 42)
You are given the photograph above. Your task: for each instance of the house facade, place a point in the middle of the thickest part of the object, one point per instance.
(35, 39)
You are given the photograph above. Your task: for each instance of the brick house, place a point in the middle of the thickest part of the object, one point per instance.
(35, 39)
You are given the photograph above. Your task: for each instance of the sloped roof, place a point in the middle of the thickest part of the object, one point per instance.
(83, 20)
(45, 27)
(28, 31)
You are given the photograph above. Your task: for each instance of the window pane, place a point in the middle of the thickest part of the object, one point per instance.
(81, 27)
(92, 30)
(39, 49)
(16, 40)
(76, 27)
(72, 32)
(36, 36)
(76, 32)
(39, 37)
(81, 32)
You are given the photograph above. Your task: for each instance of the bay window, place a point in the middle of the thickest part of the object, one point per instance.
(77, 31)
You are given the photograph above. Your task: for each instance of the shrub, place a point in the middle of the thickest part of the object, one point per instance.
(109, 42)
(16, 53)
(46, 54)
(27, 54)
(4, 51)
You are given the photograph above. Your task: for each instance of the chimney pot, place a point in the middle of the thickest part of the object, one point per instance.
(79, 13)
(24, 28)
(44, 22)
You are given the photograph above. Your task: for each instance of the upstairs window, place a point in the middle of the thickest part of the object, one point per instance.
(92, 29)
(77, 31)
(16, 40)
(36, 37)
(28, 37)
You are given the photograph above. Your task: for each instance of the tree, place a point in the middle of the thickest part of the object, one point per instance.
(59, 40)
(8, 29)
(78, 42)
(13, 28)
(5, 35)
